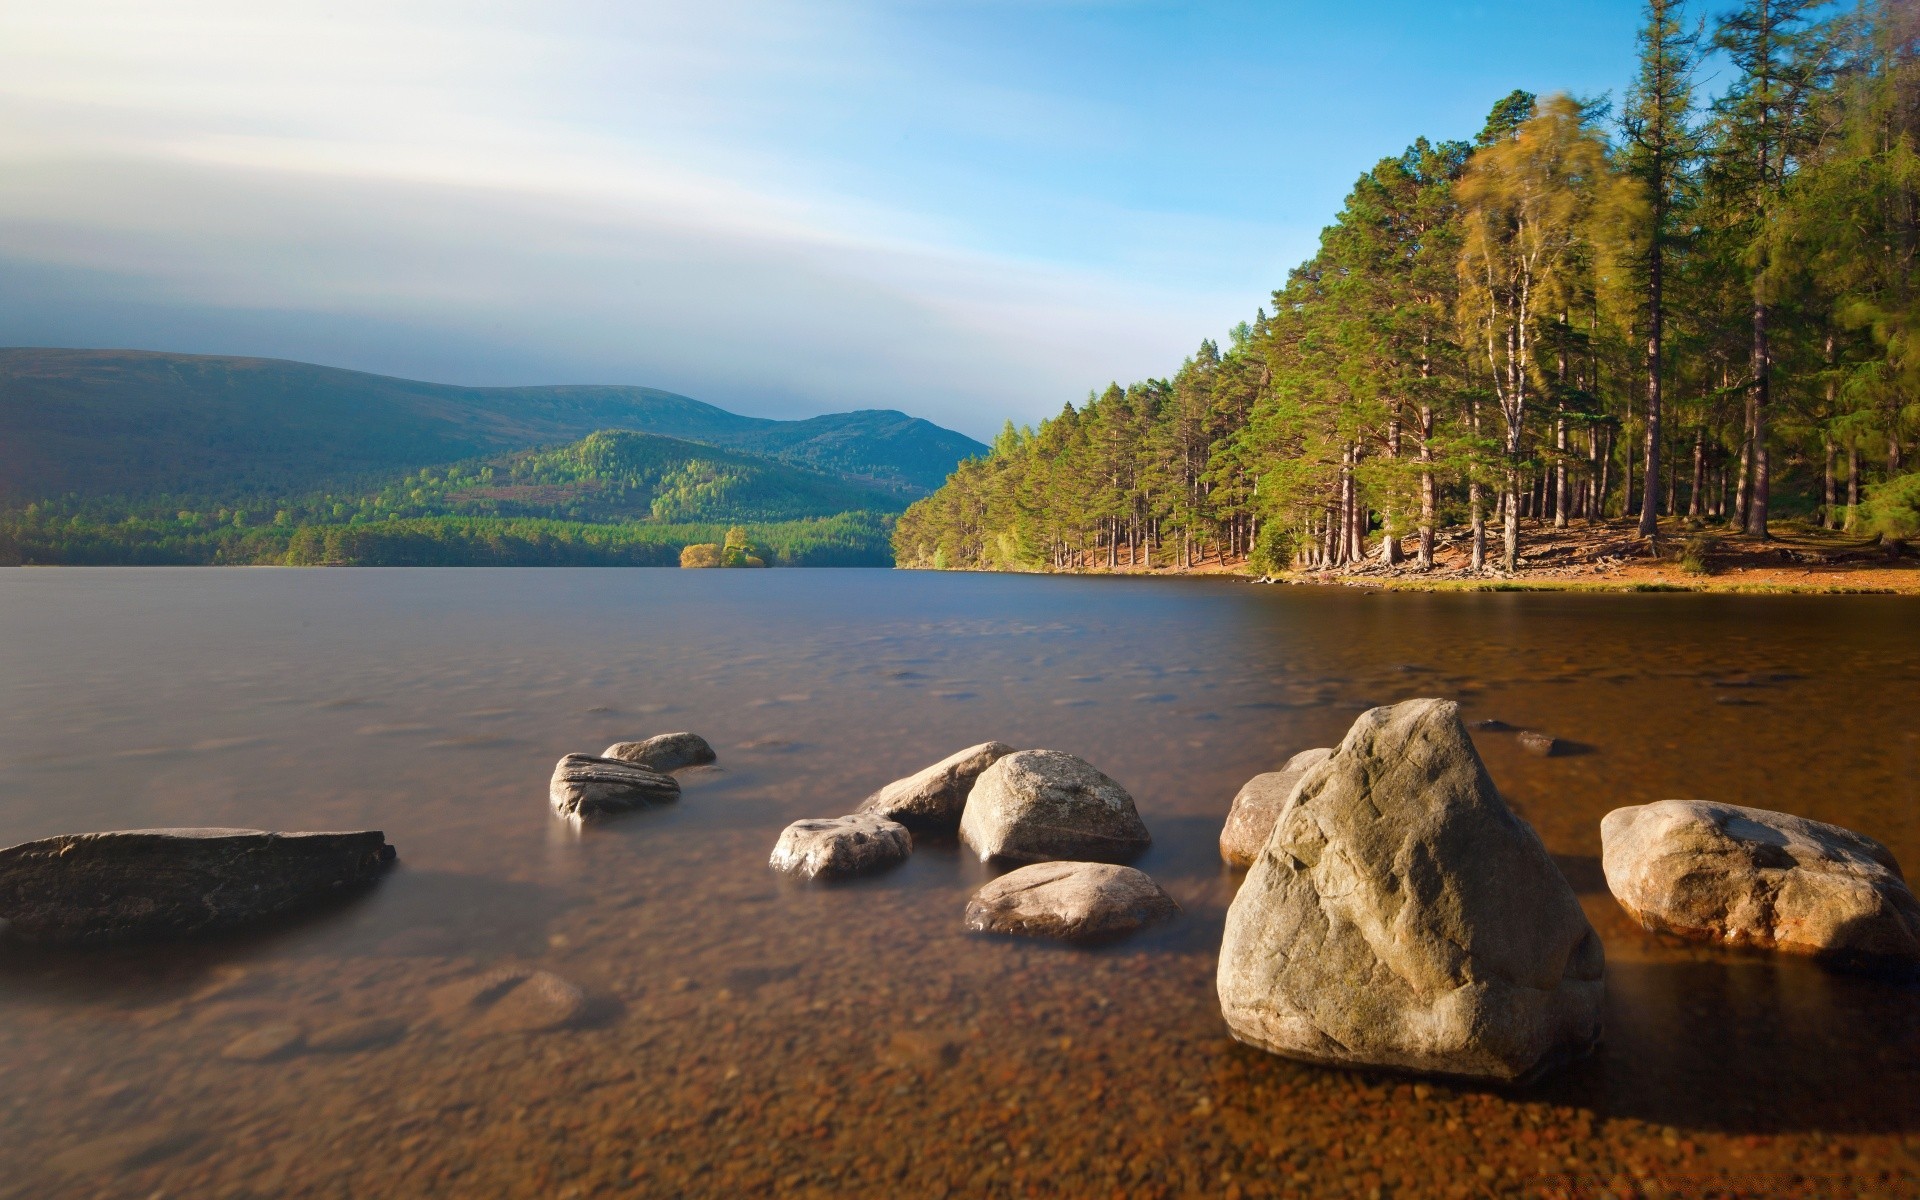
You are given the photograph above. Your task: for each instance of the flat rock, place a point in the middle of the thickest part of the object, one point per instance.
(1401, 916)
(511, 1000)
(1044, 806)
(1543, 745)
(932, 800)
(667, 752)
(264, 1044)
(140, 883)
(1750, 877)
(833, 847)
(585, 788)
(1258, 806)
(1072, 901)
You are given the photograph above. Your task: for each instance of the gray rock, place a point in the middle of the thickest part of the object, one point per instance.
(1542, 745)
(1043, 806)
(585, 788)
(831, 847)
(1258, 806)
(1072, 901)
(511, 1000)
(107, 887)
(1750, 877)
(667, 752)
(1401, 916)
(932, 800)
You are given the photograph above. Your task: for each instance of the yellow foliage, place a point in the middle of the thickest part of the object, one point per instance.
(704, 554)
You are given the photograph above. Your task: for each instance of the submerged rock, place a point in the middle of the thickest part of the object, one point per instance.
(1402, 916)
(1750, 877)
(1072, 901)
(832, 847)
(667, 752)
(1043, 805)
(585, 788)
(363, 1033)
(933, 799)
(511, 1000)
(1258, 806)
(264, 1044)
(1542, 745)
(105, 887)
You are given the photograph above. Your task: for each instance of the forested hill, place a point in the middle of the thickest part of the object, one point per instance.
(614, 498)
(1700, 307)
(138, 423)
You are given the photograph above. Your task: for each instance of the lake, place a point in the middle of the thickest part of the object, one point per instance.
(755, 1035)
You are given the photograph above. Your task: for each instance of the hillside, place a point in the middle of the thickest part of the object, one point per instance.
(613, 498)
(141, 424)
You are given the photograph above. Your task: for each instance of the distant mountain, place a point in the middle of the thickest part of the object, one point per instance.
(138, 423)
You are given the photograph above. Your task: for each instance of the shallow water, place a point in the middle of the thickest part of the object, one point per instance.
(751, 1035)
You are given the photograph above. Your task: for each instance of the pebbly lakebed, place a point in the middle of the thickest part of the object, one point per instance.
(724, 1030)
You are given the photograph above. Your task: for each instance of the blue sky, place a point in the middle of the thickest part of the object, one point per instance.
(968, 211)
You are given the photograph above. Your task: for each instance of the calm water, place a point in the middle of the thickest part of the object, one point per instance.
(756, 1036)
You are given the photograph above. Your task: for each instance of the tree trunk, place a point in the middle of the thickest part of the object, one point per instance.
(1758, 498)
(1853, 482)
(1426, 485)
(1699, 470)
(1827, 515)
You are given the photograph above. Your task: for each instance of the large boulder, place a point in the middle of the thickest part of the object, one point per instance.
(832, 847)
(1072, 901)
(1750, 877)
(138, 883)
(1250, 819)
(1043, 805)
(667, 752)
(1401, 916)
(585, 788)
(933, 799)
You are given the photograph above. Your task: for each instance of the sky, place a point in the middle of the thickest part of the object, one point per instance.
(971, 212)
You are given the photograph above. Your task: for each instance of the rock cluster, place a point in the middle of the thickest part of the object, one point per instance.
(1258, 805)
(1034, 806)
(1071, 901)
(1401, 916)
(1750, 877)
(140, 883)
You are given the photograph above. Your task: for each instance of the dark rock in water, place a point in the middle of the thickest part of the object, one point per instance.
(1044, 806)
(832, 847)
(1401, 916)
(1541, 745)
(1492, 725)
(933, 799)
(1258, 805)
(585, 788)
(1072, 901)
(1749, 877)
(667, 752)
(108, 887)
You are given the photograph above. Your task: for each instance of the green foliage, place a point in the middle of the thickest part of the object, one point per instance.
(1893, 509)
(615, 498)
